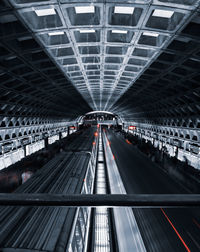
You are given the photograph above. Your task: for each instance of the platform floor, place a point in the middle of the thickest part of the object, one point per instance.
(161, 229)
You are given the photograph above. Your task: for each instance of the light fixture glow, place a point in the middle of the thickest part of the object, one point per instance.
(24, 38)
(84, 9)
(11, 57)
(45, 12)
(87, 31)
(163, 13)
(123, 10)
(151, 34)
(55, 33)
(119, 31)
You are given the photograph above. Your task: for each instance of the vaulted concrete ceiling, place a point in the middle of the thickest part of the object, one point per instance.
(138, 58)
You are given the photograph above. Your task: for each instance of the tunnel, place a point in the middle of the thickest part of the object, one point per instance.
(99, 125)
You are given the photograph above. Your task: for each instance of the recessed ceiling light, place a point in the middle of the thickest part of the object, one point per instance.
(7, 18)
(87, 31)
(151, 34)
(183, 39)
(163, 13)
(119, 31)
(55, 33)
(24, 38)
(45, 12)
(195, 59)
(84, 9)
(123, 10)
(11, 57)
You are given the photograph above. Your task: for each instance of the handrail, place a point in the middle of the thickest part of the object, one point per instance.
(98, 200)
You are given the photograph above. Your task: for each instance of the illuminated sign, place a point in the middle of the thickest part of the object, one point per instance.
(132, 127)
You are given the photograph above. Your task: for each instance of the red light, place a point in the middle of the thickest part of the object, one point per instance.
(175, 230)
(98, 126)
(113, 156)
(94, 143)
(96, 134)
(132, 127)
(128, 141)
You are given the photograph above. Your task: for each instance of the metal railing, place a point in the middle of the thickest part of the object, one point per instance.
(99, 200)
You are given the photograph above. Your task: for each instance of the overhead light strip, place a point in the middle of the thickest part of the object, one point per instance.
(45, 12)
(163, 13)
(150, 34)
(84, 9)
(56, 33)
(119, 31)
(123, 10)
(87, 31)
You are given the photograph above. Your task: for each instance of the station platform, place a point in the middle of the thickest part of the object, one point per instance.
(98, 162)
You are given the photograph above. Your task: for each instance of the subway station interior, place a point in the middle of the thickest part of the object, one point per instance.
(99, 126)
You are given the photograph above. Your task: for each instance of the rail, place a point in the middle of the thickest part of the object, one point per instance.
(99, 200)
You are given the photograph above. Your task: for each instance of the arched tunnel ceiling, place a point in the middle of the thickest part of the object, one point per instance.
(139, 58)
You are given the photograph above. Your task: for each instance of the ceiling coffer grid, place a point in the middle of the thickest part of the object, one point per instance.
(30, 83)
(104, 47)
(170, 87)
